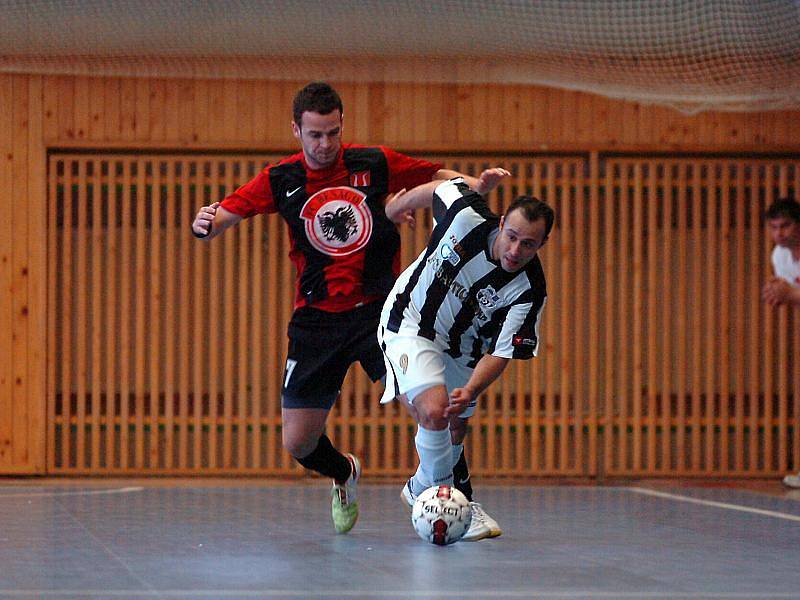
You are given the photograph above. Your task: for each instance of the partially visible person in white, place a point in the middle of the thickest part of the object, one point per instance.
(783, 223)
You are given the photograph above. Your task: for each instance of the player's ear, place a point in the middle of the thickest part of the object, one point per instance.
(502, 220)
(295, 130)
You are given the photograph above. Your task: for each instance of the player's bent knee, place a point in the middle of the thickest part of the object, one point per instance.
(298, 446)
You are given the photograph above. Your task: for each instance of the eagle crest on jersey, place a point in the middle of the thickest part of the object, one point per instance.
(337, 220)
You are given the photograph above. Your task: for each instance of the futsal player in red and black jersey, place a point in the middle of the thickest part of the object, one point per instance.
(346, 254)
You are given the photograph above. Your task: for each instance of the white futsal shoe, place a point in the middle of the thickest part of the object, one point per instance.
(792, 481)
(407, 496)
(482, 525)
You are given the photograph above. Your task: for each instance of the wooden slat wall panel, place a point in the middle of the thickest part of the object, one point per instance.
(66, 111)
(653, 335)
(713, 418)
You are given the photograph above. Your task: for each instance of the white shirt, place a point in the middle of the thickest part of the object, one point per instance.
(786, 267)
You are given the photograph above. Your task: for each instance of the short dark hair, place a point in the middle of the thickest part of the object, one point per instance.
(318, 97)
(784, 207)
(534, 209)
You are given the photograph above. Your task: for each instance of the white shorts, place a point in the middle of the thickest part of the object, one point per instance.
(414, 364)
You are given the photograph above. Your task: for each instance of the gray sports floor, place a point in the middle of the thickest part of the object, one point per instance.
(250, 539)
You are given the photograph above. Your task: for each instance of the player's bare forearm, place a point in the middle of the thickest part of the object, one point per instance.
(485, 183)
(212, 220)
(405, 201)
(486, 371)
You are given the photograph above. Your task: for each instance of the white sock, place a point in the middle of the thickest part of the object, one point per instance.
(435, 452)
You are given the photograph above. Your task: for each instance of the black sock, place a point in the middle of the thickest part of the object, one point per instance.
(327, 460)
(461, 477)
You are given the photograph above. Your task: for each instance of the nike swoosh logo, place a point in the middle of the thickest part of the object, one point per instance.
(293, 191)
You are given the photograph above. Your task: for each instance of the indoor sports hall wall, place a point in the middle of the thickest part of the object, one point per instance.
(658, 357)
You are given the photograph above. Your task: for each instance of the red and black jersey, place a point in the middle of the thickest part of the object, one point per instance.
(344, 248)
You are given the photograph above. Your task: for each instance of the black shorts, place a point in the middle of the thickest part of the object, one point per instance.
(322, 346)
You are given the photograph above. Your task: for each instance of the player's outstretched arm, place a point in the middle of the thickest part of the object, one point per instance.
(400, 206)
(212, 220)
(483, 184)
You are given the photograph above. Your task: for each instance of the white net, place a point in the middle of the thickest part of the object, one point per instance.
(689, 54)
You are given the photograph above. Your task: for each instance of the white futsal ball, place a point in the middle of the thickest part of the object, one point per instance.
(441, 515)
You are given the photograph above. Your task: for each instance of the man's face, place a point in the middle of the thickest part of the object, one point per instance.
(320, 136)
(784, 231)
(518, 241)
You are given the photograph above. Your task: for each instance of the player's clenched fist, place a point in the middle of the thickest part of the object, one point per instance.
(201, 226)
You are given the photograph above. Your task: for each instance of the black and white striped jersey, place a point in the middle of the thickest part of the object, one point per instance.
(455, 294)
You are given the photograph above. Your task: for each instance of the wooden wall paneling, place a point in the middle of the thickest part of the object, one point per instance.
(637, 347)
(697, 318)
(216, 272)
(609, 373)
(712, 307)
(548, 185)
(7, 385)
(52, 249)
(245, 252)
(783, 354)
(97, 311)
(566, 296)
(228, 316)
(50, 98)
(113, 319)
(653, 186)
(142, 104)
(20, 270)
(578, 370)
(36, 308)
(81, 291)
(66, 107)
(157, 100)
(140, 325)
(192, 112)
(82, 118)
(243, 117)
(664, 367)
(683, 354)
(152, 213)
(96, 102)
(593, 296)
(171, 323)
(112, 108)
(199, 370)
(127, 110)
(257, 341)
(171, 111)
(185, 208)
(195, 100)
(724, 332)
(624, 317)
(768, 357)
(126, 314)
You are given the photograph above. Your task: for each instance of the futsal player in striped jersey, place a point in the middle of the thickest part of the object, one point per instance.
(469, 303)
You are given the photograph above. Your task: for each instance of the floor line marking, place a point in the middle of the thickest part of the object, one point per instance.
(399, 594)
(125, 490)
(725, 505)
